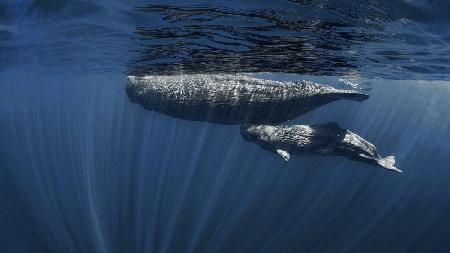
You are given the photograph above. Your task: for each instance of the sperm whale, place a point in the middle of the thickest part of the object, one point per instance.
(322, 139)
(232, 98)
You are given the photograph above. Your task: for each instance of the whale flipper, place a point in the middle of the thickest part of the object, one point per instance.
(284, 154)
(388, 163)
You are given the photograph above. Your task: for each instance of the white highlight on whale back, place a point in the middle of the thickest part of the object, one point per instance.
(283, 134)
(357, 141)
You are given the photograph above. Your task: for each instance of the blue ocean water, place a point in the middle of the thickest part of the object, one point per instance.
(82, 169)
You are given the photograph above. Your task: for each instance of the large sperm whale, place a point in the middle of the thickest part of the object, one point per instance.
(232, 98)
(322, 139)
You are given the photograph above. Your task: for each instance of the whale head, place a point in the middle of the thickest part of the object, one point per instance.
(264, 135)
(251, 133)
(140, 91)
(131, 89)
(269, 137)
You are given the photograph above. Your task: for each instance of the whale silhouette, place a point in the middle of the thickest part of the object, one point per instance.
(232, 98)
(323, 139)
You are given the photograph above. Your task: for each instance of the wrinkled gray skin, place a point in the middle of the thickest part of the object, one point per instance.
(231, 99)
(323, 139)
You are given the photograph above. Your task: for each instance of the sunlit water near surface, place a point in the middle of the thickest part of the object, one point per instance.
(82, 169)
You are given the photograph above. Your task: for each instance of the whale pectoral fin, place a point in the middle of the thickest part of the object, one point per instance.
(284, 154)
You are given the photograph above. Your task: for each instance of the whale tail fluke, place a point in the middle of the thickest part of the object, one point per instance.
(388, 163)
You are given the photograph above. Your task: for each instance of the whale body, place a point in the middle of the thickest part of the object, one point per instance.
(232, 98)
(321, 139)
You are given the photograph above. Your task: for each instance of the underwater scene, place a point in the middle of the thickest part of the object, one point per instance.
(278, 126)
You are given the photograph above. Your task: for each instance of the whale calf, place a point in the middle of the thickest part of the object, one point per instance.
(322, 139)
(232, 98)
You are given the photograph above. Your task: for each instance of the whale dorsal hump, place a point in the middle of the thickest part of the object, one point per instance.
(284, 154)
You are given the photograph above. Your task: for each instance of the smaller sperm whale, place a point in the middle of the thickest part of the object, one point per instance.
(232, 98)
(322, 139)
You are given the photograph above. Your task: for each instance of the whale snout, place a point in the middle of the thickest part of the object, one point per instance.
(131, 80)
(246, 132)
(131, 90)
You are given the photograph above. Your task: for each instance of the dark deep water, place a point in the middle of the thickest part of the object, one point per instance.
(84, 170)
